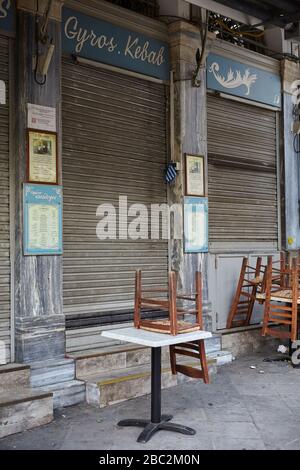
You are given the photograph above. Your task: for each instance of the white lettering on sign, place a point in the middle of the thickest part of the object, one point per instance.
(4, 7)
(2, 92)
(81, 36)
(135, 51)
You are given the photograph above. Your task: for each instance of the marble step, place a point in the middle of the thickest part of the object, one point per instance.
(119, 385)
(221, 357)
(125, 356)
(52, 372)
(22, 409)
(65, 393)
(14, 376)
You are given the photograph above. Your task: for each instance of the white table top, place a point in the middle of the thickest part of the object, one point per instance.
(153, 340)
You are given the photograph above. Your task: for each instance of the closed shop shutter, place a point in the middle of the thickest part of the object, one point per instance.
(4, 209)
(114, 144)
(242, 175)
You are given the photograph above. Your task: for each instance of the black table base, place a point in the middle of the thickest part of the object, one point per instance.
(158, 422)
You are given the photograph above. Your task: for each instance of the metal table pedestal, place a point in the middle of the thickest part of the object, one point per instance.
(158, 421)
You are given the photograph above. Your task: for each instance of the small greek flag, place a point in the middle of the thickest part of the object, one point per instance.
(170, 173)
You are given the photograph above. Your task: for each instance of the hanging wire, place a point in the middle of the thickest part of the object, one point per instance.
(296, 143)
(36, 79)
(37, 39)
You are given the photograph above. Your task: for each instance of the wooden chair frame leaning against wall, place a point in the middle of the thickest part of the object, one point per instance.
(173, 325)
(251, 288)
(280, 283)
(243, 302)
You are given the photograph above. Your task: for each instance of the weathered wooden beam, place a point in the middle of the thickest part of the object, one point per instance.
(39, 319)
(41, 6)
(190, 137)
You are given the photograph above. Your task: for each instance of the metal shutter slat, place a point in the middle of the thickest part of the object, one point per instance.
(114, 143)
(242, 179)
(4, 206)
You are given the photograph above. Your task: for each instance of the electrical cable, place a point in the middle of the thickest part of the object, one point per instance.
(296, 137)
(201, 58)
(35, 75)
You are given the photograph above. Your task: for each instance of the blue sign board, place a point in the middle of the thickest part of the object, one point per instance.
(238, 79)
(98, 40)
(195, 224)
(7, 16)
(42, 219)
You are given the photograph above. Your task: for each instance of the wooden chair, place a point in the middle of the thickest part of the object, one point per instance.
(173, 325)
(281, 285)
(195, 349)
(250, 280)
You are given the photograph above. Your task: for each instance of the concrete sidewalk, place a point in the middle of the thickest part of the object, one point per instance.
(244, 408)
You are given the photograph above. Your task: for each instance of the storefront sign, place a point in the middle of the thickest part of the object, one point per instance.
(7, 16)
(235, 78)
(42, 219)
(41, 117)
(195, 224)
(105, 42)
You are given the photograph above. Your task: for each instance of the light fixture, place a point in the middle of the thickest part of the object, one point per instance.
(45, 60)
(44, 46)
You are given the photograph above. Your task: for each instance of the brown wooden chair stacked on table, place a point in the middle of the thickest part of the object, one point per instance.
(281, 284)
(278, 265)
(250, 281)
(175, 323)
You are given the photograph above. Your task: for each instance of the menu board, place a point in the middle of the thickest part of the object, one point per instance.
(195, 225)
(42, 219)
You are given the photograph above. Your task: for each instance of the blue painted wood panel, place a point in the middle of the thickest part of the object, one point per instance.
(98, 40)
(239, 79)
(7, 16)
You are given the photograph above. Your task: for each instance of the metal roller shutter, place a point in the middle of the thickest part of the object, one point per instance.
(4, 208)
(114, 144)
(242, 177)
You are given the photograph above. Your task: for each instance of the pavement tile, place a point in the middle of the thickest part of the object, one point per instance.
(241, 409)
(225, 443)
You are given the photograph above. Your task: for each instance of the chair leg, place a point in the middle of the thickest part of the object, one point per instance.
(173, 359)
(236, 299)
(268, 286)
(137, 299)
(253, 292)
(295, 299)
(203, 361)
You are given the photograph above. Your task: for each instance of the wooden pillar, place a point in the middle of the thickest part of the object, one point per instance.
(190, 131)
(290, 166)
(39, 319)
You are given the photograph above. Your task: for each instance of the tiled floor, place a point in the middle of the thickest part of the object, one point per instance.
(244, 408)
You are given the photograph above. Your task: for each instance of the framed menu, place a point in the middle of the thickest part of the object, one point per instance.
(195, 225)
(195, 175)
(42, 166)
(42, 219)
